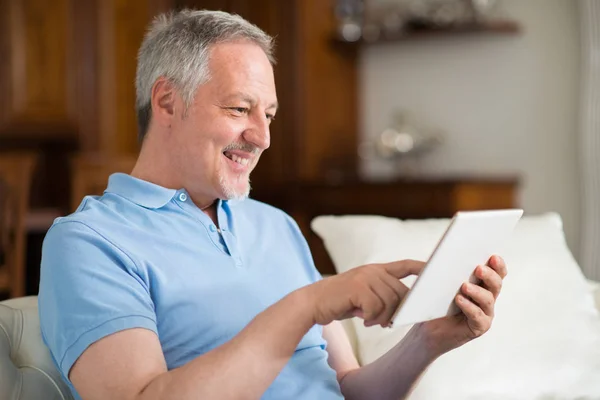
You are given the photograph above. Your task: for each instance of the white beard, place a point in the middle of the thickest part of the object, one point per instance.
(230, 192)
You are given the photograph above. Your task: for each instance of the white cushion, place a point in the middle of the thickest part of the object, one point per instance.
(545, 340)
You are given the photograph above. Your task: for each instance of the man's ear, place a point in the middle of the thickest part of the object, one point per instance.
(163, 101)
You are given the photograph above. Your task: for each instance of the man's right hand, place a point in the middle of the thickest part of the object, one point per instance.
(371, 292)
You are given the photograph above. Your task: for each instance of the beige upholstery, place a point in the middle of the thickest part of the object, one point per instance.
(26, 368)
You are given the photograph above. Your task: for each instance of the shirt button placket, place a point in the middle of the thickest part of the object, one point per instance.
(238, 261)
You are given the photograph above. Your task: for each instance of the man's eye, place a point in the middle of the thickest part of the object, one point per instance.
(239, 110)
(270, 117)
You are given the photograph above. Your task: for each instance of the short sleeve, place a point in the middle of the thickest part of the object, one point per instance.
(89, 289)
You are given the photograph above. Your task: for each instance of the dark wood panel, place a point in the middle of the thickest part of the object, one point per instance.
(84, 82)
(45, 43)
(204, 4)
(280, 163)
(5, 64)
(67, 82)
(121, 30)
(328, 97)
(36, 66)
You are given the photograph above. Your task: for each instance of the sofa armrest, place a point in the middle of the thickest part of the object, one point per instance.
(27, 371)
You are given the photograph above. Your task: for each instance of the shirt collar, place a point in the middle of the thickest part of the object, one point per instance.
(143, 193)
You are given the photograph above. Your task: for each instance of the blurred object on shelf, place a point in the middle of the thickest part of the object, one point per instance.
(439, 13)
(403, 143)
(483, 9)
(386, 20)
(350, 17)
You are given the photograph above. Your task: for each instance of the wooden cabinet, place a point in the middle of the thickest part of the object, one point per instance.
(68, 67)
(67, 70)
(122, 25)
(35, 82)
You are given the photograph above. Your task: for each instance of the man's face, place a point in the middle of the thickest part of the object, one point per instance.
(225, 130)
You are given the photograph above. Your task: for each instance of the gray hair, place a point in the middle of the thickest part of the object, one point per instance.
(177, 46)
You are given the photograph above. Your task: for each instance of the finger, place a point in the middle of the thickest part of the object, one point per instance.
(477, 318)
(480, 296)
(497, 264)
(404, 268)
(370, 305)
(399, 288)
(390, 300)
(490, 278)
(394, 283)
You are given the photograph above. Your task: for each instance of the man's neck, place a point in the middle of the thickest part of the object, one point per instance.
(153, 165)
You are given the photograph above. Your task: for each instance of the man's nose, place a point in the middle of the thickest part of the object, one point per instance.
(258, 133)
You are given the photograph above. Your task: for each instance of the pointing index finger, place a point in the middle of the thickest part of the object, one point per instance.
(404, 268)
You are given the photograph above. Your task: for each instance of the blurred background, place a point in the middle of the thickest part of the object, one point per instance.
(403, 108)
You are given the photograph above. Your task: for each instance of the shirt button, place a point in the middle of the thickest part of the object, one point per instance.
(182, 196)
(213, 228)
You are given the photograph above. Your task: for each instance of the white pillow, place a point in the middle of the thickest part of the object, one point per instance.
(545, 339)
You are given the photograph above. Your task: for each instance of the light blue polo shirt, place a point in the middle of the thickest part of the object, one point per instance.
(144, 256)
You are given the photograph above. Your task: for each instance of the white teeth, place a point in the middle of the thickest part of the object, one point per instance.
(240, 160)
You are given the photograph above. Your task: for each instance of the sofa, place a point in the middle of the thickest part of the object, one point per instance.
(544, 344)
(26, 368)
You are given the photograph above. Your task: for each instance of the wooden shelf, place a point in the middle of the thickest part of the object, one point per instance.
(418, 31)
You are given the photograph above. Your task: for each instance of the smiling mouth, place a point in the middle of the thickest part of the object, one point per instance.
(240, 160)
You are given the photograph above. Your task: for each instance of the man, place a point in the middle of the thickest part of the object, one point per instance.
(174, 285)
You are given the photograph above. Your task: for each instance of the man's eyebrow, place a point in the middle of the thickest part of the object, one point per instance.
(249, 99)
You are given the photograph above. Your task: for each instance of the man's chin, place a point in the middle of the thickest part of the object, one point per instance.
(236, 191)
(237, 195)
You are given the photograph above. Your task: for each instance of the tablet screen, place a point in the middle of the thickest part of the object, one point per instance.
(470, 240)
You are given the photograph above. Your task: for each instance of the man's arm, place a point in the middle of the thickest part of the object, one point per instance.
(129, 365)
(393, 375)
(390, 377)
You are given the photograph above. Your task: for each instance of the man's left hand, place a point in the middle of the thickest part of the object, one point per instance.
(476, 301)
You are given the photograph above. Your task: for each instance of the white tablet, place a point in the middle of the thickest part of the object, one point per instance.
(470, 240)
